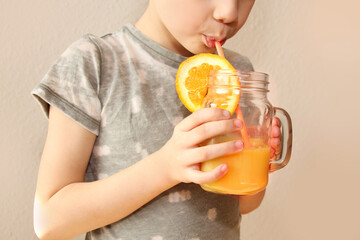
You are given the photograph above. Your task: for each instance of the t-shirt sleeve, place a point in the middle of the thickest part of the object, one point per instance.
(72, 85)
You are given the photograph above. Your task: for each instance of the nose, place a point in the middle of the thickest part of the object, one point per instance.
(226, 11)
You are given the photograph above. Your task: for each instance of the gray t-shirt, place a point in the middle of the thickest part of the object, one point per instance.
(121, 87)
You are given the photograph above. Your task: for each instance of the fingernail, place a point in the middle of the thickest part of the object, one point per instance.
(226, 113)
(239, 145)
(224, 168)
(238, 123)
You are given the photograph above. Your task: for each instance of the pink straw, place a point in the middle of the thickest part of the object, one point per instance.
(219, 49)
(239, 115)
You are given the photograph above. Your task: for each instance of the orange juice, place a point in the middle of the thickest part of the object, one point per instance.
(247, 170)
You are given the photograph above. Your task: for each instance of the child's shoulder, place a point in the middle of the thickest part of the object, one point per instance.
(239, 61)
(90, 42)
(85, 47)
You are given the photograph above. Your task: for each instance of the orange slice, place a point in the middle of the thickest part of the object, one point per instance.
(191, 81)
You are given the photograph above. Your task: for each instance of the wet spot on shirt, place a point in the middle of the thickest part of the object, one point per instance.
(101, 151)
(139, 149)
(142, 75)
(211, 214)
(102, 176)
(180, 196)
(160, 91)
(136, 104)
(157, 238)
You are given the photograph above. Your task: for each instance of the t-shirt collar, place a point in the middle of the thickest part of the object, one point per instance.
(152, 45)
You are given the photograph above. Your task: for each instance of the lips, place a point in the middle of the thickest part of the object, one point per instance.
(210, 41)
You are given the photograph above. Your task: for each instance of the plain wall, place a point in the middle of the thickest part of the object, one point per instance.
(309, 48)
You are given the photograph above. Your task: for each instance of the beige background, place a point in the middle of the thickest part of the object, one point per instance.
(311, 50)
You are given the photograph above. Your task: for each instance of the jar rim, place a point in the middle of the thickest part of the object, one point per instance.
(249, 80)
(243, 74)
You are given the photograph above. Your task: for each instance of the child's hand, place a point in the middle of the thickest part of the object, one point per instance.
(182, 154)
(275, 139)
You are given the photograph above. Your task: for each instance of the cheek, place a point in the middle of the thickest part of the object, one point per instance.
(244, 11)
(183, 16)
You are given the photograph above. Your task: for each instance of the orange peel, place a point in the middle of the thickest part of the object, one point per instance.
(192, 80)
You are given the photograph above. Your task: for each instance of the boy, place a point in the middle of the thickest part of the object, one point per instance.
(115, 120)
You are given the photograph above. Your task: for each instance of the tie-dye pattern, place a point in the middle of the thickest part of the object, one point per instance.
(121, 87)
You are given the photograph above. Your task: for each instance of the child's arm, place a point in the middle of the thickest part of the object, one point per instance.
(66, 206)
(249, 203)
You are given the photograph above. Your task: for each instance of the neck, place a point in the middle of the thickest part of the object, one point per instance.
(151, 26)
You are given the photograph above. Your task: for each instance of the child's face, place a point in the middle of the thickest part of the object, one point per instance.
(192, 26)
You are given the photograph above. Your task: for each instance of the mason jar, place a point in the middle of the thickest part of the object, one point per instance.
(244, 93)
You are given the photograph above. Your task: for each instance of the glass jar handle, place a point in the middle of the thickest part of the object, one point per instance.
(286, 129)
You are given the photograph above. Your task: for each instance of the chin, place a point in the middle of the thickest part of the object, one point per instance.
(203, 50)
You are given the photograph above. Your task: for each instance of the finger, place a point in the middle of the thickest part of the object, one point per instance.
(275, 142)
(276, 122)
(212, 129)
(202, 154)
(202, 116)
(200, 177)
(275, 132)
(272, 154)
